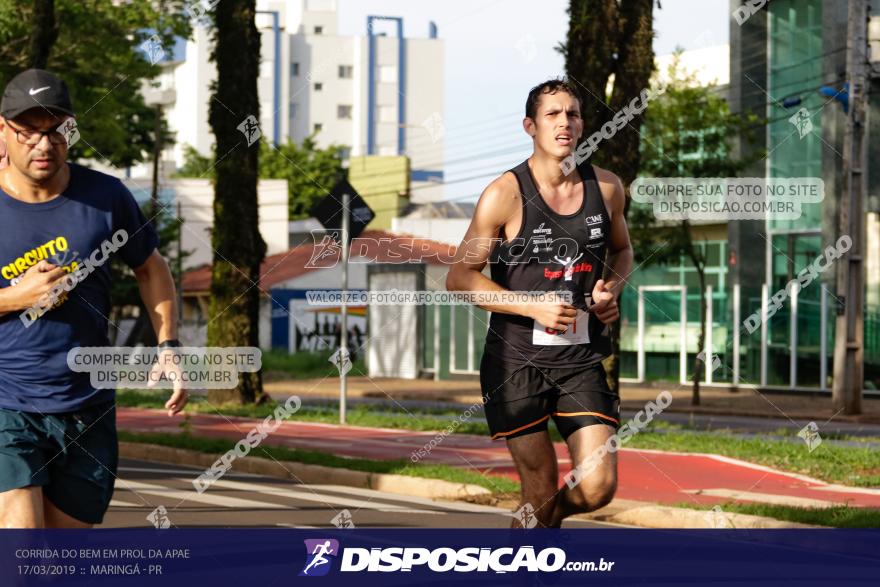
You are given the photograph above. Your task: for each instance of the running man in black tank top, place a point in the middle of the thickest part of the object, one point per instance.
(541, 230)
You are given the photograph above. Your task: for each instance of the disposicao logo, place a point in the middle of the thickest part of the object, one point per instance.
(318, 553)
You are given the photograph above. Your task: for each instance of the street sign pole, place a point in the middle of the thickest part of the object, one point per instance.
(343, 340)
(345, 211)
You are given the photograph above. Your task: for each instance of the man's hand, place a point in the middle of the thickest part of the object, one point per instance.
(36, 283)
(605, 302)
(557, 315)
(165, 365)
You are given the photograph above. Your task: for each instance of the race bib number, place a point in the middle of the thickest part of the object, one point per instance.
(577, 333)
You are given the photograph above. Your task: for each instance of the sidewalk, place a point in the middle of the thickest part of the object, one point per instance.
(644, 475)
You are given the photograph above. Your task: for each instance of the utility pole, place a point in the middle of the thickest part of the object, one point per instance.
(849, 335)
(343, 340)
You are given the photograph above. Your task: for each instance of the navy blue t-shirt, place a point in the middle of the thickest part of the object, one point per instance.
(34, 376)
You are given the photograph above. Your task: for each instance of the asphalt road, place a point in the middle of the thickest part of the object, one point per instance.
(242, 500)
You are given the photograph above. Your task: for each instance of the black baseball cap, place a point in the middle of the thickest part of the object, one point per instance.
(35, 88)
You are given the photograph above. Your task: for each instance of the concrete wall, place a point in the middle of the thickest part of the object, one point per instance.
(444, 230)
(196, 198)
(382, 182)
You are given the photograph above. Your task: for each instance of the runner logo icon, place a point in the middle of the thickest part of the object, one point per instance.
(318, 551)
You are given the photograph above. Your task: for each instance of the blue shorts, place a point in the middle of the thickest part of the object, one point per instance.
(73, 456)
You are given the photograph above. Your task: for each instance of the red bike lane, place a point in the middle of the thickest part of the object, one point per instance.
(644, 475)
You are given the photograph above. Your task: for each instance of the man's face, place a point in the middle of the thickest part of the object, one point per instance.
(557, 125)
(41, 161)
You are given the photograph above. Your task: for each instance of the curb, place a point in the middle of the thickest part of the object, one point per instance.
(648, 516)
(311, 474)
(672, 517)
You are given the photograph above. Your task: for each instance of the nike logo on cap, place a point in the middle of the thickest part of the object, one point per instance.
(34, 92)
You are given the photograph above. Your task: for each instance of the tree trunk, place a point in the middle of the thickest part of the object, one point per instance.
(701, 341)
(609, 37)
(699, 263)
(589, 56)
(44, 31)
(238, 247)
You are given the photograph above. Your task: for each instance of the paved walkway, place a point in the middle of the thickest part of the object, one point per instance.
(645, 475)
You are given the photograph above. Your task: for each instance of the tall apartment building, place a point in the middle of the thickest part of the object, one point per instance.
(377, 93)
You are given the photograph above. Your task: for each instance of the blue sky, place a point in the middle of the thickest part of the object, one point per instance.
(496, 50)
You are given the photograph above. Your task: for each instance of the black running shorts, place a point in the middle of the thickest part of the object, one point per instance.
(520, 399)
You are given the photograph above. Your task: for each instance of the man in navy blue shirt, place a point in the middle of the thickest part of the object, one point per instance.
(58, 445)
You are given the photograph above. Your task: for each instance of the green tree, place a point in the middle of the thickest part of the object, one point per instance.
(239, 248)
(124, 291)
(609, 43)
(44, 31)
(688, 132)
(195, 164)
(309, 170)
(97, 48)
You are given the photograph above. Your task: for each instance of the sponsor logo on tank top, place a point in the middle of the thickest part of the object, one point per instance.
(596, 234)
(541, 239)
(541, 229)
(569, 268)
(594, 219)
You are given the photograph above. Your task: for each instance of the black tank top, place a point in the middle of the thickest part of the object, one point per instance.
(552, 252)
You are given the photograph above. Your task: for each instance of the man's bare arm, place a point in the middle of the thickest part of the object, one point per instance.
(156, 285)
(498, 203)
(34, 286)
(157, 291)
(620, 254)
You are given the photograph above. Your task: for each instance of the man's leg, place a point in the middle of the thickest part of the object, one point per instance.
(22, 508)
(535, 462)
(83, 478)
(597, 486)
(55, 518)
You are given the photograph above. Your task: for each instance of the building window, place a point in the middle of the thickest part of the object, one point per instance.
(319, 30)
(343, 111)
(318, 126)
(387, 114)
(292, 110)
(294, 69)
(388, 74)
(345, 71)
(319, 86)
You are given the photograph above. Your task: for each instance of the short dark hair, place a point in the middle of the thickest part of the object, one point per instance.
(551, 86)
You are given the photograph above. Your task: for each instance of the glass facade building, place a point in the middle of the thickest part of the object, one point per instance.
(784, 60)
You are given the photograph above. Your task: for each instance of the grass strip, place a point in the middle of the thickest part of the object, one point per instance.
(496, 484)
(836, 517)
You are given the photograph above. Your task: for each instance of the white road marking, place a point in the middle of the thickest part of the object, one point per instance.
(207, 497)
(447, 505)
(326, 499)
(118, 503)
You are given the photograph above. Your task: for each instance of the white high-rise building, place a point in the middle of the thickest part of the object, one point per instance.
(379, 93)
